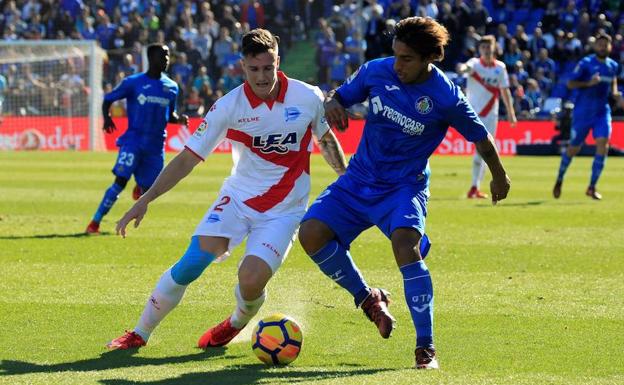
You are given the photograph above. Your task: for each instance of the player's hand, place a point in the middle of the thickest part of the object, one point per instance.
(109, 125)
(499, 187)
(513, 122)
(335, 114)
(136, 212)
(184, 120)
(595, 79)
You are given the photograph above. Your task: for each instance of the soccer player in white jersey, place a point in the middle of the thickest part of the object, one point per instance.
(487, 81)
(270, 120)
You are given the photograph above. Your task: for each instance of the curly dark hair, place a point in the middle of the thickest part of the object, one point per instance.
(424, 35)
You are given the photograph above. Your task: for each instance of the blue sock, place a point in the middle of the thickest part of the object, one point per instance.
(335, 261)
(597, 166)
(419, 297)
(110, 197)
(563, 167)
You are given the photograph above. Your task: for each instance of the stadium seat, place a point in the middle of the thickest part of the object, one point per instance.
(560, 90)
(536, 15)
(520, 15)
(551, 105)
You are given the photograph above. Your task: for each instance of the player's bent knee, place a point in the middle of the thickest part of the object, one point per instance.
(192, 264)
(253, 275)
(313, 235)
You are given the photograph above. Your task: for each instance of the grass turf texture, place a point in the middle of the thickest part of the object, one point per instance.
(528, 292)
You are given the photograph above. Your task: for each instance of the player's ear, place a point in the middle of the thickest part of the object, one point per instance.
(277, 63)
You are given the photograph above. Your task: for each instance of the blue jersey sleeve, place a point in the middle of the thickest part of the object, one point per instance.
(122, 91)
(173, 102)
(464, 119)
(354, 89)
(581, 71)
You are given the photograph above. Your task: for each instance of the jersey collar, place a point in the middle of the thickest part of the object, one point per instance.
(483, 63)
(255, 100)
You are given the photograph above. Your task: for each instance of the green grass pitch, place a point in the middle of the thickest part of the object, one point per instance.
(528, 292)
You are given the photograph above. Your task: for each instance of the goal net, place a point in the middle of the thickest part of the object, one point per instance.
(51, 95)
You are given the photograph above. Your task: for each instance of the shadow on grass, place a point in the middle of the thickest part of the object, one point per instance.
(253, 374)
(517, 204)
(51, 236)
(109, 360)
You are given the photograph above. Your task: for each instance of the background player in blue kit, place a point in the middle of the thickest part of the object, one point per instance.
(151, 104)
(594, 78)
(411, 105)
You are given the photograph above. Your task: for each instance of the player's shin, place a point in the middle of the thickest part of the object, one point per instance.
(335, 261)
(245, 310)
(597, 167)
(109, 199)
(478, 168)
(563, 167)
(419, 297)
(166, 296)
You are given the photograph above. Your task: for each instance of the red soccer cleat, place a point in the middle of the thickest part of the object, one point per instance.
(93, 228)
(375, 306)
(130, 340)
(137, 192)
(474, 193)
(591, 192)
(426, 358)
(219, 335)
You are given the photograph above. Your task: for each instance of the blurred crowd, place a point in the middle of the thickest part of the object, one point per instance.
(540, 41)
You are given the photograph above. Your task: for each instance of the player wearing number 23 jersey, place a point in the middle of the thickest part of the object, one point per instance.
(151, 104)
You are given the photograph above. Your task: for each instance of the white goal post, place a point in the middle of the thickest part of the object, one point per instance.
(51, 95)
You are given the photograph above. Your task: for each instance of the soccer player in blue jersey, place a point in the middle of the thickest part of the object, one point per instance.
(411, 105)
(594, 78)
(151, 104)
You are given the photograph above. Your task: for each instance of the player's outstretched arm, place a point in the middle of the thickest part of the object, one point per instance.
(508, 101)
(574, 84)
(332, 152)
(335, 113)
(109, 125)
(500, 181)
(173, 173)
(178, 119)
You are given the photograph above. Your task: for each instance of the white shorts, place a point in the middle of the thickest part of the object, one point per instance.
(269, 235)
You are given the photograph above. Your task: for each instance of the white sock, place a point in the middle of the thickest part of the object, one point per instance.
(245, 310)
(477, 170)
(166, 295)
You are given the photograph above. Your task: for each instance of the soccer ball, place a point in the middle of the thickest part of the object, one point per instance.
(276, 340)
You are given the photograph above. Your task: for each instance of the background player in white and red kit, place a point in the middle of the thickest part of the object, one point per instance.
(487, 82)
(270, 121)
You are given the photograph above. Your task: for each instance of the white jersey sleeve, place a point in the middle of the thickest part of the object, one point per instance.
(504, 76)
(211, 130)
(319, 123)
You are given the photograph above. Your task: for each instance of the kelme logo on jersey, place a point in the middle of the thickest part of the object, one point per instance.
(424, 105)
(409, 125)
(291, 113)
(274, 142)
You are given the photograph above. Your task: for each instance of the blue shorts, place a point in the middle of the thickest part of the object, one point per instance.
(144, 165)
(349, 208)
(600, 125)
